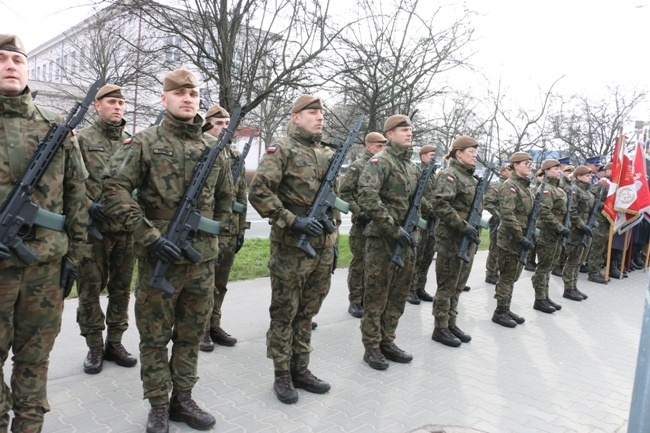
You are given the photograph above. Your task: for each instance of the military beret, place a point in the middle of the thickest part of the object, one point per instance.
(375, 137)
(12, 43)
(608, 166)
(581, 170)
(217, 111)
(396, 120)
(593, 160)
(549, 163)
(306, 102)
(461, 143)
(505, 167)
(565, 160)
(180, 78)
(519, 157)
(427, 148)
(109, 91)
(569, 169)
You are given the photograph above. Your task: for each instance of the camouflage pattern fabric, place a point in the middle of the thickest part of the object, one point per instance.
(426, 240)
(284, 187)
(451, 200)
(598, 251)
(491, 204)
(386, 185)
(583, 201)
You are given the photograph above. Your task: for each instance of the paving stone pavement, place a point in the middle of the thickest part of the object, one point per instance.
(571, 371)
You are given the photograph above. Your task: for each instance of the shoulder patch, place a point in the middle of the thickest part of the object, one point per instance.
(374, 160)
(513, 190)
(159, 151)
(451, 179)
(545, 192)
(271, 149)
(353, 169)
(128, 140)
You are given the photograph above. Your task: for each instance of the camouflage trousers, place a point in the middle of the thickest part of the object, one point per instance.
(109, 264)
(509, 272)
(492, 263)
(597, 254)
(299, 285)
(355, 271)
(575, 252)
(31, 304)
(179, 318)
(451, 275)
(227, 246)
(425, 253)
(548, 257)
(387, 287)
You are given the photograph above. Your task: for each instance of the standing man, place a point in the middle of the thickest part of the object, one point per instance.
(597, 253)
(426, 239)
(593, 164)
(31, 296)
(385, 188)
(160, 162)
(453, 194)
(375, 142)
(491, 204)
(283, 189)
(109, 263)
(231, 237)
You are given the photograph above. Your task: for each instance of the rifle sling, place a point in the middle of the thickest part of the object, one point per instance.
(168, 214)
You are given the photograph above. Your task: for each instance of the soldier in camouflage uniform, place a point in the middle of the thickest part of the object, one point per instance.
(386, 185)
(425, 238)
(550, 223)
(160, 162)
(597, 252)
(452, 197)
(283, 189)
(31, 301)
(565, 184)
(375, 142)
(231, 237)
(491, 204)
(516, 200)
(582, 204)
(110, 261)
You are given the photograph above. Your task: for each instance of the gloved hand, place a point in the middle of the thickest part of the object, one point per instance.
(69, 274)
(527, 244)
(565, 231)
(307, 225)
(405, 240)
(165, 250)
(240, 243)
(336, 257)
(587, 230)
(470, 232)
(4, 252)
(97, 213)
(364, 219)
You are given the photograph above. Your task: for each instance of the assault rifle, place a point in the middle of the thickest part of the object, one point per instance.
(93, 231)
(159, 118)
(18, 214)
(325, 200)
(236, 171)
(532, 220)
(187, 220)
(412, 218)
(567, 215)
(474, 217)
(591, 221)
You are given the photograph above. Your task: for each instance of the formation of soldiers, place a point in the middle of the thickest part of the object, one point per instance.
(120, 195)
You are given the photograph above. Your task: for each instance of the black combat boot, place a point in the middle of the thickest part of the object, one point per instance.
(375, 358)
(356, 310)
(596, 278)
(467, 289)
(530, 266)
(183, 408)
(458, 333)
(413, 298)
(94, 362)
(424, 296)
(206, 344)
(517, 318)
(543, 306)
(613, 270)
(444, 336)
(221, 337)
(283, 387)
(584, 296)
(116, 352)
(584, 269)
(572, 294)
(553, 304)
(158, 419)
(502, 317)
(557, 271)
(304, 379)
(491, 279)
(394, 353)
(314, 325)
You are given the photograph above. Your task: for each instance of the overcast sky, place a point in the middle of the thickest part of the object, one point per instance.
(526, 44)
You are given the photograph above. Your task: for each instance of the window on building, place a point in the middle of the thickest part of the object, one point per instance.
(44, 76)
(173, 53)
(51, 71)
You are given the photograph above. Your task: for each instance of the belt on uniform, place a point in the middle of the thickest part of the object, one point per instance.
(168, 214)
(296, 210)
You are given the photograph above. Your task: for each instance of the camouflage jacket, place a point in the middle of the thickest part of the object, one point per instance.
(286, 181)
(452, 197)
(491, 201)
(426, 208)
(516, 201)
(234, 223)
(61, 189)
(550, 220)
(350, 182)
(581, 206)
(602, 223)
(565, 182)
(159, 162)
(98, 143)
(386, 185)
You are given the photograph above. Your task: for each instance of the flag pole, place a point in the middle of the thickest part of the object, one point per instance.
(626, 243)
(608, 262)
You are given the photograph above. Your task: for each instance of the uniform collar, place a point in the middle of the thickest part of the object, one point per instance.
(582, 185)
(453, 162)
(17, 106)
(304, 137)
(112, 132)
(553, 181)
(519, 179)
(183, 129)
(403, 153)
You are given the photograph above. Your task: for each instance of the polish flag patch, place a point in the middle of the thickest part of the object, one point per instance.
(271, 149)
(451, 179)
(513, 190)
(128, 140)
(374, 160)
(545, 192)
(353, 169)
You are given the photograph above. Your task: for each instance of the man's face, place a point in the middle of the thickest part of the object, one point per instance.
(181, 103)
(467, 156)
(111, 110)
(553, 172)
(506, 173)
(426, 157)
(13, 73)
(375, 147)
(311, 120)
(401, 136)
(219, 124)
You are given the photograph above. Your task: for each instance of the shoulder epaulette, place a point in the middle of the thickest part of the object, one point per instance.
(46, 113)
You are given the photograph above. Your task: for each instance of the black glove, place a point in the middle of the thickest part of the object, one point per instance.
(527, 244)
(336, 258)
(405, 240)
(69, 274)
(240, 243)
(364, 219)
(97, 213)
(470, 233)
(587, 230)
(4, 252)
(307, 225)
(165, 250)
(565, 231)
